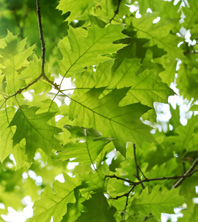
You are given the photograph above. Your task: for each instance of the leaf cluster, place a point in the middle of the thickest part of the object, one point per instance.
(79, 99)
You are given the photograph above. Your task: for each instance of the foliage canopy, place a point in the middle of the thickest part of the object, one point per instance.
(81, 87)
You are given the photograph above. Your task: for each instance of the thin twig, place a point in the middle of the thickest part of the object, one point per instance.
(21, 90)
(142, 173)
(116, 11)
(127, 200)
(41, 36)
(124, 195)
(189, 172)
(119, 178)
(136, 165)
(180, 179)
(154, 179)
(43, 61)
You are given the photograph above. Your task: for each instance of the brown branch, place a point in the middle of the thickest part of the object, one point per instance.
(119, 178)
(41, 36)
(124, 195)
(43, 60)
(180, 179)
(187, 174)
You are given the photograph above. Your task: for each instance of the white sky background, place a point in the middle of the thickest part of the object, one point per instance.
(14, 216)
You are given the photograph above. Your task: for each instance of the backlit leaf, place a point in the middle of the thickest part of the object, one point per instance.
(35, 130)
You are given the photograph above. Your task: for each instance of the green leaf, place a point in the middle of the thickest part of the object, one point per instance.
(156, 202)
(158, 33)
(146, 86)
(14, 58)
(185, 138)
(30, 126)
(191, 17)
(54, 203)
(175, 117)
(190, 214)
(164, 8)
(5, 133)
(105, 115)
(187, 82)
(74, 209)
(88, 49)
(76, 8)
(85, 151)
(97, 210)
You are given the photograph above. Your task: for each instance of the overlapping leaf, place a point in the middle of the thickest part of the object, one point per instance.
(5, 133)
(186, 136)
(35, 130)
(97, 210)
(191, 17)
(13, 59)
(80, 50)
(54, 204)
(146, 86)
(187, 81)
(104, 115)
(164, 8)
(158, 33)
(79, 10)
(156, 202)
(75, 7)
(86, 150)
(190, 214)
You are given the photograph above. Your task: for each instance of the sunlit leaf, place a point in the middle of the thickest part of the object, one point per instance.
(35, 130)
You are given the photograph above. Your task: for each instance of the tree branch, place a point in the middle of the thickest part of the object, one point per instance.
(43, 60)
(41, 37)
(180, 179)
(187, 174)
(119, 178)
(116, 11)
(21, 90)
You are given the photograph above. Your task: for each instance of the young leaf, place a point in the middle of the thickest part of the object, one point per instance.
(35, 129)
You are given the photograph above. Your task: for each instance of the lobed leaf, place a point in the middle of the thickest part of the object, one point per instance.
(80, 51)
(121, 123)
(97, 210)
(156, 202)
(35, 130)
(54, 204)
